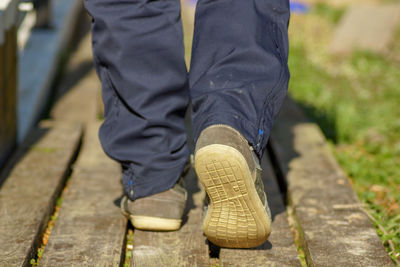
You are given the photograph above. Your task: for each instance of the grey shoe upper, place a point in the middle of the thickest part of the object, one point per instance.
(169, 204)
(260, 186)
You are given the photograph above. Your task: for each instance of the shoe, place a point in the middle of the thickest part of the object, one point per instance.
(158, 212)
(238, 215)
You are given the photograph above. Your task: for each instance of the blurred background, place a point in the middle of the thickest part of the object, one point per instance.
(345, 73)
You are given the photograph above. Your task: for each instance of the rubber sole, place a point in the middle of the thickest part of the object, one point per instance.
(236, 217)
(154, 223)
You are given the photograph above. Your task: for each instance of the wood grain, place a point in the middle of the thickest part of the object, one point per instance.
(90, 230)
(335, 232)
(28, 195)
(279, 250)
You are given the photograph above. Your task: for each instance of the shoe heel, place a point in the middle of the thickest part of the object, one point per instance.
(236, 217)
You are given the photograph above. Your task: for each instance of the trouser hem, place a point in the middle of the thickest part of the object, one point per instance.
(244, 126)
(151, 185)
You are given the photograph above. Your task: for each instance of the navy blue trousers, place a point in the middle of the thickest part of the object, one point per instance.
(238, 76)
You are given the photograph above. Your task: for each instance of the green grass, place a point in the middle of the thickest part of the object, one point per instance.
(331, 13)
(358, 109)
(128, 248)
(295, 228)
(46, 235)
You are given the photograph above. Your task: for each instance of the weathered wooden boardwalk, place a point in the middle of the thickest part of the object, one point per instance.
(315, 211)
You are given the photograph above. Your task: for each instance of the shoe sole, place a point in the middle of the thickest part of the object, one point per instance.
(154, 223)
(236, 217)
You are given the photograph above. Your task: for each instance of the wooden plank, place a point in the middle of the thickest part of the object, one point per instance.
(279, 250)
(28, 195)
(79, 87)
(90, 230)
(186, 247)
(81, 101)
(46, 47)
(334, 230)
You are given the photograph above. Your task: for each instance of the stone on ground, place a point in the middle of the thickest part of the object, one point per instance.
(366, 27)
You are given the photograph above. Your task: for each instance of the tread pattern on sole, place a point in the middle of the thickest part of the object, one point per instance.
(233, 219)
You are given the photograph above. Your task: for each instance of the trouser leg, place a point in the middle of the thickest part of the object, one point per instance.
(139, 56)
(239, 73)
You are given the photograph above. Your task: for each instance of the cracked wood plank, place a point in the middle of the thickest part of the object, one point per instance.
(28, 195)
(319, 192)
(90, 230)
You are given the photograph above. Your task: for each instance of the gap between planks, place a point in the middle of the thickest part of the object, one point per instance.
(90, 228)
(316, 184)
(90, 231)
(27, 197)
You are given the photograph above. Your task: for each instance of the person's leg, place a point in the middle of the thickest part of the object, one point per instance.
(238, 80)
(139, 56)
(239, 73)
